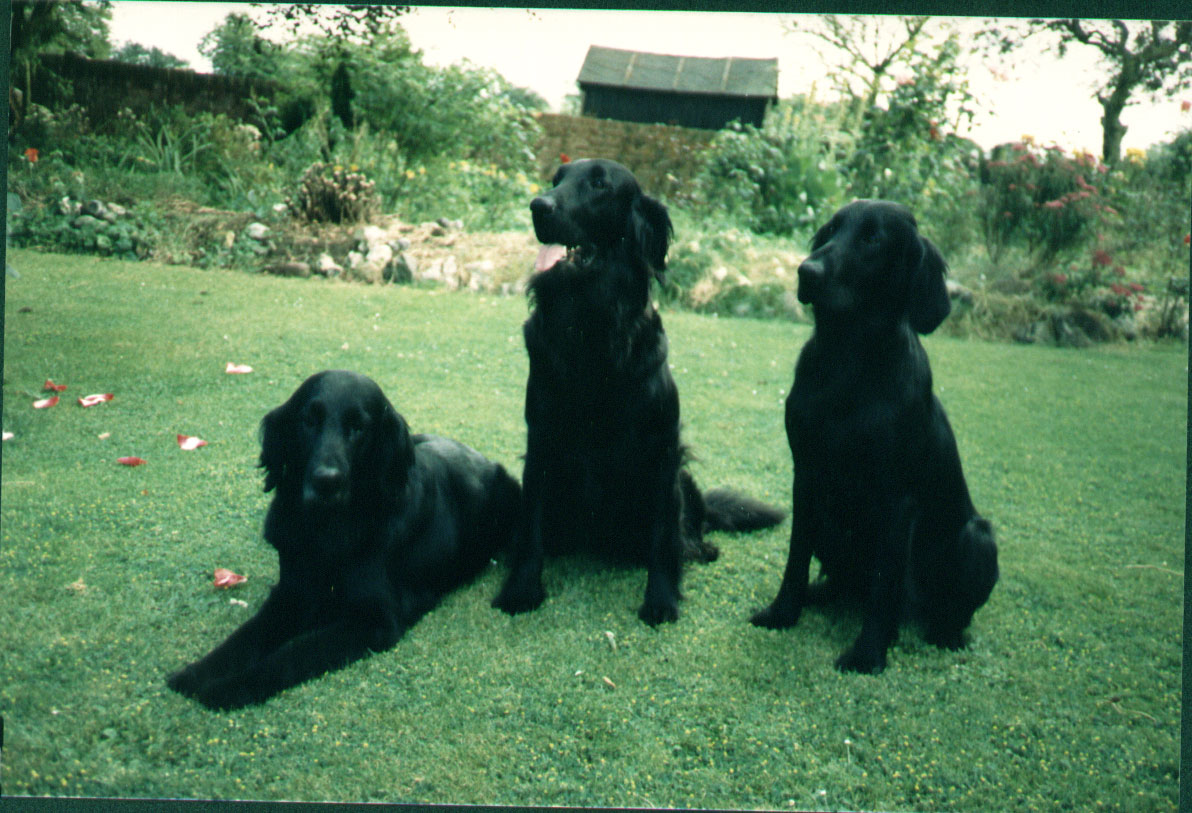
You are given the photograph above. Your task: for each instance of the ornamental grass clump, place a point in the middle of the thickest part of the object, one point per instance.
(334, 194)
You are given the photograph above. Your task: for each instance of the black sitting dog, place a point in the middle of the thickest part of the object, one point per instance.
(879, 495)
(372, 526)
(604, 466)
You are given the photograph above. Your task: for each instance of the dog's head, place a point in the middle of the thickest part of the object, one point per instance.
(336, 443)
(594, 205)
(870, 263)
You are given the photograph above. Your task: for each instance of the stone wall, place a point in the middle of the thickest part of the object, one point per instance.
(662, 157)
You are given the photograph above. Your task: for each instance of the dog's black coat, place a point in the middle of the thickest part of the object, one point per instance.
(372, 526)
(604, 466)
(879, 495)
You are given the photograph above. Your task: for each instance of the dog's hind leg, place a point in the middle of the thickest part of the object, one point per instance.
(963, 583)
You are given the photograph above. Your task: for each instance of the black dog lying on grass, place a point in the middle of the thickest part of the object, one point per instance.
(879, 495)
(372, 526)
(604, 466)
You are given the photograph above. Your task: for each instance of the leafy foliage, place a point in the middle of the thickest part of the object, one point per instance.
(1043, 197)
(776, 179)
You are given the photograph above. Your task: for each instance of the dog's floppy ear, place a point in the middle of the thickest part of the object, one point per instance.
(277, 445)
(928, 304)
(393, 451)
(650, 230)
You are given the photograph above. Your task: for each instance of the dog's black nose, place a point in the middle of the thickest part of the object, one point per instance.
(542, 205)
(811, 279)
(327, 481)
(811, 272)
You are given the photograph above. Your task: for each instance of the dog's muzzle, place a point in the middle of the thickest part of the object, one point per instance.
(811, 280)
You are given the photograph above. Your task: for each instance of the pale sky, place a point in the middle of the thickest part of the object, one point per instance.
(543, 49)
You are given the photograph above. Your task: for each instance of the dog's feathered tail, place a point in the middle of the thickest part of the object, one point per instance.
(728, 510)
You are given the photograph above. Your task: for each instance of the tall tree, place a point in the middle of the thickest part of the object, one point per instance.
(40, 26)
(1144, 60)
(868, 52)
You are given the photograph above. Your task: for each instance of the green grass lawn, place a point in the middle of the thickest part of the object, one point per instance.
(1068, 697)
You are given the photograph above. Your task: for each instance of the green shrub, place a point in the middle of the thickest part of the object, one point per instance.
(776, 179)
(1041, 198)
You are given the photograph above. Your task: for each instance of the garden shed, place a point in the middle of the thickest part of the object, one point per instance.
(688, 91)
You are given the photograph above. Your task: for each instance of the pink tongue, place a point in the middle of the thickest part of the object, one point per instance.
(548, 255)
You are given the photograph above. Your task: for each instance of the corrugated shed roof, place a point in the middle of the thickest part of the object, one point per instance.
(730, 76)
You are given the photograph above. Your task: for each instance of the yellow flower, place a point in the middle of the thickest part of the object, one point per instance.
(410, 174)
(1135, 155)
(421, 170)
(1028, 139)
(533, 189)
(353, 167)
(339, 167)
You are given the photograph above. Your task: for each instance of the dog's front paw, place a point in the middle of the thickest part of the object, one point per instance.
(225, 694)
(658, 613)
(519, 598)
(186, 680)
(777, 616)
(866, 660)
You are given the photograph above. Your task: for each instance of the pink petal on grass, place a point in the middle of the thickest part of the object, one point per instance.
(131, 461)
(46, 403)
(189, 444)
(50, 386)
(225, 578)
(8, 436)
(92, 400)
(237, 368)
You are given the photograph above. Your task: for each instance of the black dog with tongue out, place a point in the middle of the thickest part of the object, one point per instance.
(604, 466)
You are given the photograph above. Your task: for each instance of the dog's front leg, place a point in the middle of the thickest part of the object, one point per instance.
(279, 618)
(787, 606)
(884, 605)
(664, 559)
(523, 589)
(365, 628)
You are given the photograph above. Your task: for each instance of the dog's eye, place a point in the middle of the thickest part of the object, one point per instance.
(312, 416)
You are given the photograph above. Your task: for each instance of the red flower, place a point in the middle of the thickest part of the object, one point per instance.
(31, 154)
(1136, 287)
(1101, 257)
(1185, 105)
(564, 158)
(1187, 239)
(1054, 204)
(1060, 279)
(1118, 289)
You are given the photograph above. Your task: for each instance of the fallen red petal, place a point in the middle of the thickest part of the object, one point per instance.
(237, 368)
(46, 403)
(50, 386)
(131, 461)
(189, 443)
(92, 400)
(225, 578)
